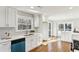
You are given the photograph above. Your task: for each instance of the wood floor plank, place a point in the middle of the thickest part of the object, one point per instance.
(53, 47)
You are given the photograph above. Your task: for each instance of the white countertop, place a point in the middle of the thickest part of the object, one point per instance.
(75, 36)
(14, 37)
(76, 50)
(75, 33)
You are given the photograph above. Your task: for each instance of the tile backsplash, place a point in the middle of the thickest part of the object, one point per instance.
(11, 30)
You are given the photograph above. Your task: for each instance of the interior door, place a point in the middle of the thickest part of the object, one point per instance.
(66, 34)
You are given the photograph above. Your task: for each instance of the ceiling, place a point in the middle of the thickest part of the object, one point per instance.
(53, 12)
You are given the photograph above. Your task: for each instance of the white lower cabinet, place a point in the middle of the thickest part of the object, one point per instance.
(66, 36)
(5, 46)
(32, 42)
(28, 44)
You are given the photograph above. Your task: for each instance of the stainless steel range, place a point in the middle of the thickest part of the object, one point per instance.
(76, 45)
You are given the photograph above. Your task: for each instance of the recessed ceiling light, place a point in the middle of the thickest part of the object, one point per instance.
(70, 8)
(32, 7)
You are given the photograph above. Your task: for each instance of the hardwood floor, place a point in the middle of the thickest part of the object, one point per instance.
(53, 47)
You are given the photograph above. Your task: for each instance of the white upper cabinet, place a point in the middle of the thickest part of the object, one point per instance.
(24, 21)
(10, 17)
(7, 17)
(36, 20)
(2, 16)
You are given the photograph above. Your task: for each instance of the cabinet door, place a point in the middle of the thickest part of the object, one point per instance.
(10, 17)
(38, 41)
(2, 16)
(66, 36)
(34, 43)
(28, 44)
(5, 47)
(24, 21)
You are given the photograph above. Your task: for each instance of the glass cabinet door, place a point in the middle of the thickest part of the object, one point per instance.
(25, 22)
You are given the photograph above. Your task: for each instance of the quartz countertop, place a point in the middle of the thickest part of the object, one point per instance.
(14, 37)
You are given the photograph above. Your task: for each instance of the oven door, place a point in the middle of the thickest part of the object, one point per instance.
(76, 44)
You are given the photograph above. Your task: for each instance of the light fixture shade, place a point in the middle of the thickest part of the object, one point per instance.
(32, 7)
(70, 8)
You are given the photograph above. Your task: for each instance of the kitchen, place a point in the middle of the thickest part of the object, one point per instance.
(28, 28)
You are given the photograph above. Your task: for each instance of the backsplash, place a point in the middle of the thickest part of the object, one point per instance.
(12, 31)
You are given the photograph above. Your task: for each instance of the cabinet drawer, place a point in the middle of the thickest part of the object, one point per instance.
(5, 47)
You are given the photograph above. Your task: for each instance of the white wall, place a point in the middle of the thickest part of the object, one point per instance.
(44, 31)
(65, 36)
(54, 28)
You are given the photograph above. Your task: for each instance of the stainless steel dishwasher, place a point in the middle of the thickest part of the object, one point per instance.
(18, 45)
